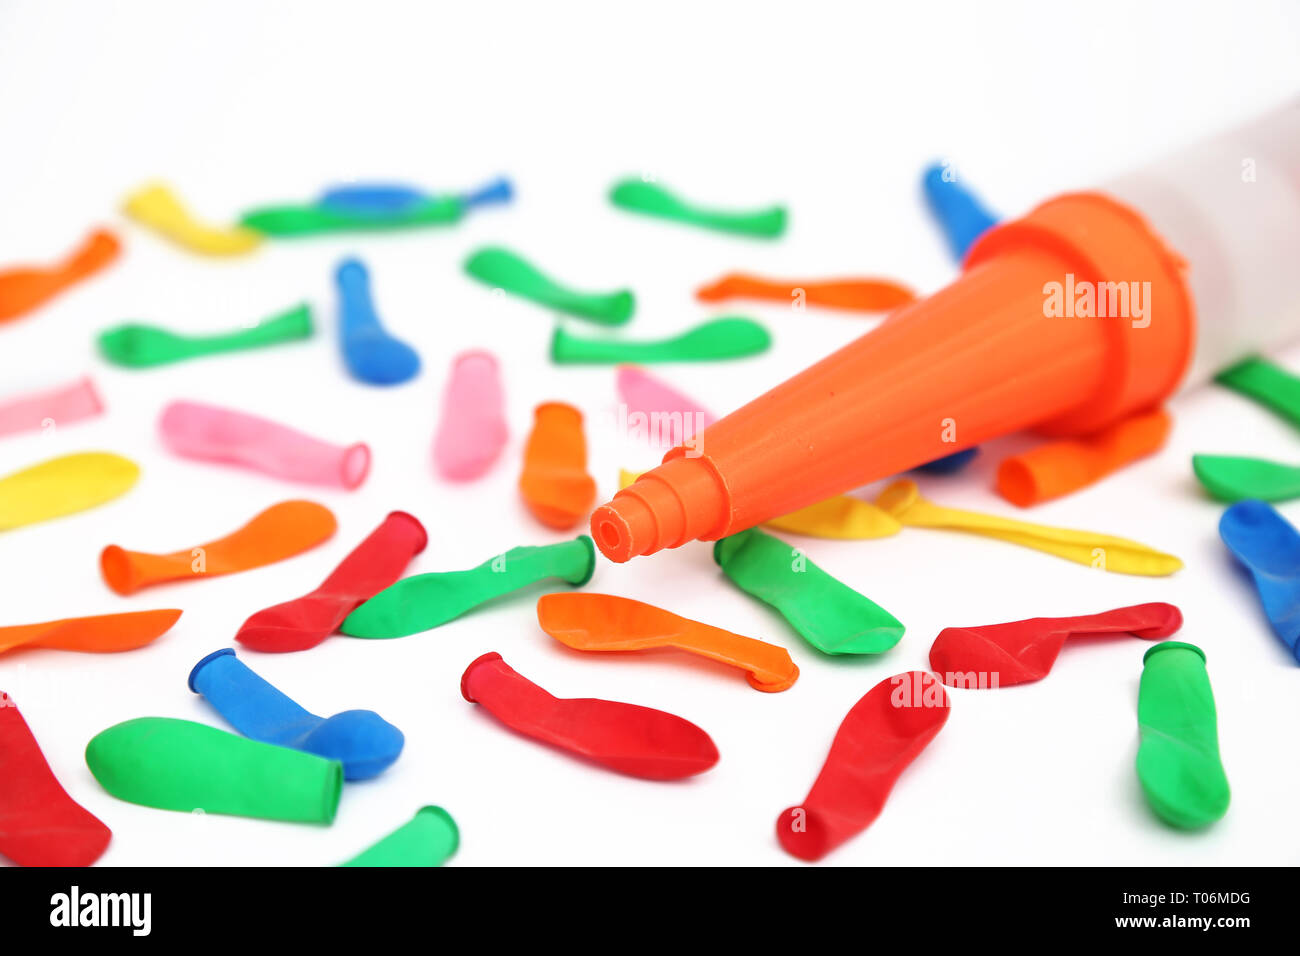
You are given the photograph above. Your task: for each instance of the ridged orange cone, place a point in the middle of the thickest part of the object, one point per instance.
(981, 355)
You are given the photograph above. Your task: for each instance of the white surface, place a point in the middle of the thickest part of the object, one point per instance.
(834, 111)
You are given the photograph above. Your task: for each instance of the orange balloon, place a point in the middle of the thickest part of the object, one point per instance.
(102, 634)
(604, 622)
(279, 532)
(852, 295)
(26, 287)
(554, 483)
(1060, 467)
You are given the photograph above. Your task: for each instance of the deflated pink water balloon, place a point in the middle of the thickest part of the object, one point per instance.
(643, 393)
(50, 407)
(472, 430)
(210, 433)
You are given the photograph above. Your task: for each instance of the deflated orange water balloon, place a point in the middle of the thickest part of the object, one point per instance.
(850, 295)
(25, 288)
(101, 634)
(604, 622)
(1060, 467)
(279, 532)
(554, 483)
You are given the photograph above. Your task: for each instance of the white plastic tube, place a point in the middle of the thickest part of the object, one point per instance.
(1230, 206)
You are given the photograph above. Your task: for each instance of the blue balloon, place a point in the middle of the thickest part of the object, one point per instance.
(380, 199)
(961, 216)
(963, 220)
(1269, 548)
(948, 464)
(497, 191)
(372, 199)
(370, 353)
(365, 743)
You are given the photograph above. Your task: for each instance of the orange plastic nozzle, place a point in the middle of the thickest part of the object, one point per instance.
(1060, 467)
(279, 532)
(983, 357)
(843, 517)
(851, 295)
(554, 483)
(604, 622)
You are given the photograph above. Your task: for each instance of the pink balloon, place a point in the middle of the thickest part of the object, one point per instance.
(472, 431)
(59, 406)
(642, 393)
(210, 433)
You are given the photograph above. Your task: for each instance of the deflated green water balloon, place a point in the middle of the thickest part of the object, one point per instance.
(1267, 383)
(142, 346)
(180, 765)
(428, 839)
(1234, 479)
(637, 195)
(1178, 761)
(509, 271)
(425, 601)
(827, 613)
(315, 219)
(727, 338)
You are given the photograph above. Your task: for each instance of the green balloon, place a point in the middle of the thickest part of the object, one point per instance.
(827, 613)
(1234, 479)
(506, 270)
(312, 219)
(180, 765)
(636, 195)
(1267, 383)
(726, 338)
(429, 839)
(425, 601)
(1178, 761)
(142, 346)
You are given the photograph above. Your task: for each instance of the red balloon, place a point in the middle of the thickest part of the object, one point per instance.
(879, 737)
(634, 740)
(372, 566)
(999, 655)
(40, 825)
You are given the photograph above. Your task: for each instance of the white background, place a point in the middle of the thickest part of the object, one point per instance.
(831, 110)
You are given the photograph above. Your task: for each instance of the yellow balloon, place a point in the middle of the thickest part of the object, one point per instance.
(157, 207)
(63, 486)
(903, 500)
(839, 517)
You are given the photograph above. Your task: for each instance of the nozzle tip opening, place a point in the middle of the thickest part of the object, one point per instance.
(622, 528)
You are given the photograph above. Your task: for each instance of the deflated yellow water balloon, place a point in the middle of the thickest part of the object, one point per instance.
(157, 207)
(1106, 552)
(63, 486)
